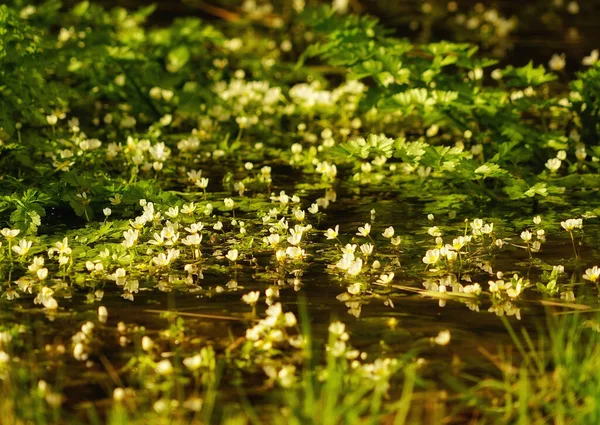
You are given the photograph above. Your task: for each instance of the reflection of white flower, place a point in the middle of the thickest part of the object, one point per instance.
(46, 298)
(385, 278)
(354, 289)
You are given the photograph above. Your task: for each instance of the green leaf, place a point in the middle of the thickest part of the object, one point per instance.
(178, 58)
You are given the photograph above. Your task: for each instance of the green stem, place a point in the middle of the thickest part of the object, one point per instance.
(574, 246)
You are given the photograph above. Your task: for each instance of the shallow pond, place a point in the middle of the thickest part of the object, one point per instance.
(203, 224)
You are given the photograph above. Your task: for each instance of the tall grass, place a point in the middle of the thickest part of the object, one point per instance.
(554, 381)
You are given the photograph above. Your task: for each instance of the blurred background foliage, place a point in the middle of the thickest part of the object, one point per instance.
(511, 30)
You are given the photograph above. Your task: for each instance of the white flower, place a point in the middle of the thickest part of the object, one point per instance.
(592, 274)
(202, 183)
(193, 363)
(332, 233)
(477, 224)
(557, 62)
(115, 200)
(346, 261)
(164, 367)
(349, 248)
(232, 255)
(131, 237)
(367, 249)
(38, 263)
(451, 255)
(355, 267)
(294, 252)
(280, 255)
(172, 212)
(193, 239)
(364, 231)
(163, 260)
(592, 58)
(299, 214)
(102, 314)
(229, 203)
(442, 338)
(107, 212)
(273, 239)
(9, 233)
(526, 235)
(251, 298)
(337, 328)
(194, 227)
(434, 231)
(62, 247)
(23, 248)
(388, 232)
(52, 119)
(396, 240)
(431, 256)
(459, 242)
(295, 238)
(42, 273)
(487, 228)
(194, 175)
(188, 208)
(119, 394)
(289, 319)
(147, 343)
(340, 6)
(571, 224)
(553, 164)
